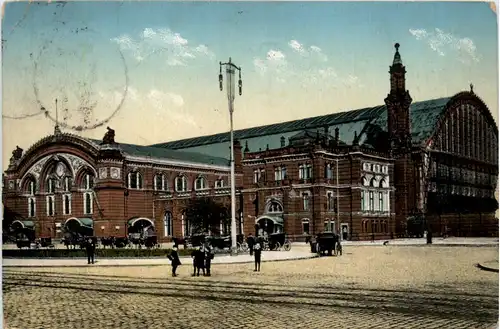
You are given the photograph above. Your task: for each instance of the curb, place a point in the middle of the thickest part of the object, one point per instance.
(426, 245)
(486, 268)
(149, 265)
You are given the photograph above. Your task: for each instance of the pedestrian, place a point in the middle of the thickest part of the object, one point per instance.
(200, 261)
(250, 243)
(208, 259)
(338, 247)
(90, 248)
(174, 260)
(194, 254)
(257, 253)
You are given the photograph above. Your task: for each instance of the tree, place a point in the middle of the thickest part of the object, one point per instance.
(205, 214)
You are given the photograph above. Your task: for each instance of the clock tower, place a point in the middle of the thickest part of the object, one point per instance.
(398, 108)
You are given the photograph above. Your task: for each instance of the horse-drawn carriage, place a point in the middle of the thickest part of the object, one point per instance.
(326, 242)
(277, 242)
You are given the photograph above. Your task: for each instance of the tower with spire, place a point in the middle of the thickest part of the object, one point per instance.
(398, 107)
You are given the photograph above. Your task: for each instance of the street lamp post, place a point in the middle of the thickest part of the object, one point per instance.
(231, 85)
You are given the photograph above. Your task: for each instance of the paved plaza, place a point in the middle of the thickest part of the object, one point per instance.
(381, 287)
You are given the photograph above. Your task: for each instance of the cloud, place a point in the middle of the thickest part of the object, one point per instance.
(275, 61)
(446, 43)
(311, 51)
(176, 49)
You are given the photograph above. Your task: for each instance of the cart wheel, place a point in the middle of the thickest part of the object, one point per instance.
(244, 247)
(287, 246)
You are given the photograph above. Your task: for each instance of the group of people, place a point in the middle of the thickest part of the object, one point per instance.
(202, 260)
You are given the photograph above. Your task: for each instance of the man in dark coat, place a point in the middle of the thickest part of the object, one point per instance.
(250, 243)
(208, 258)
(90, 248)
(257, 253)
(175, 261)
(198, 261)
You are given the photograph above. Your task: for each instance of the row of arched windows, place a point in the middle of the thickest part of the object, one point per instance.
(52, 184)
(160, 182)
(374, 226)
(382, 183)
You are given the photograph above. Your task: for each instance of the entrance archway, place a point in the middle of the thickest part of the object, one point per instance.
(141, 225)
(79, 226)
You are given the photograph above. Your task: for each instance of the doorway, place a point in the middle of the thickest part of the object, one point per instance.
(344, 231)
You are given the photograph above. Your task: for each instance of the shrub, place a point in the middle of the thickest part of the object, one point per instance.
(104, 253)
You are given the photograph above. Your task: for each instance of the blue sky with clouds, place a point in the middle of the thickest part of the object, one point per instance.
(298, 59)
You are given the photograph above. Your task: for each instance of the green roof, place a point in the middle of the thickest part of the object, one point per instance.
(168, 154)
(369, 123)
(87, 222)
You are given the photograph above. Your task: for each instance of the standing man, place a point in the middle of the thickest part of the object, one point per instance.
(175, 261)
(90, 248)
(257, 253)
(250, 243)
(208, 258)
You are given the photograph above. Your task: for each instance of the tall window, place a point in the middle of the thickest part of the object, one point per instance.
(50, 205)
(181, 183)
(372, 203)
(330, 202)
(31, 207)
(134, 180)
(363, 201)
(380, 201)
(168, 228)
(159, 182)
(87, 203)
(66, 199)
(67, 184)
(274, 207)
(305, 226)
(31, 187)
(305, 200)
(259, 174)
(279, 173)
(51, 185)
(200, 183)
(329, 226)
(328, 171)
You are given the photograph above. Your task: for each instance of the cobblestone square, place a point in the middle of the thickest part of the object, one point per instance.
(368, 287)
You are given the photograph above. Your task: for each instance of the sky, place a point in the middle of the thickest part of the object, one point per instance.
(149, 70)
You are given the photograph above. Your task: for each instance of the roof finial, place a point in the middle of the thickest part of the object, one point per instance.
(397, 56)
(471, 88)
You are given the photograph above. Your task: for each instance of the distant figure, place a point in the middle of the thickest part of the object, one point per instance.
(198, 261)
(338, 247)
(250, 243)
(90, 248)
(175, 261)
(257, 254)
(209, 255)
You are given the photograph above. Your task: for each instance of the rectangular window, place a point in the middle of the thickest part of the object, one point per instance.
(372, 203)
(302, 172)
(66, 199)
(305, 198)
(67, 184)
(159, 183)
(50, 205)
(308, 172)
(168, 224)
(259, 175)
(277, 174)
(31, 207)
(51, 185)
(87, 203)
(380, 201)
(330, 202)
(32, 188)
(363, 201)
(328, 171)
(305, 227)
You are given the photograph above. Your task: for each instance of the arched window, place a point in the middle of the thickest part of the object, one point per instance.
(305, 226)
(160, 182)
(373, 182)
(88, 181)
(200, 183)
(181, 183)
(31, 207)
(365, 226)
(50, 205)
(274, 207)
(328, 171)
(134, 180)
(31, 187)
(168, 224)
(219, 183)
(364, 181)
(87, 203)
(186, 225)
(381, 184)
